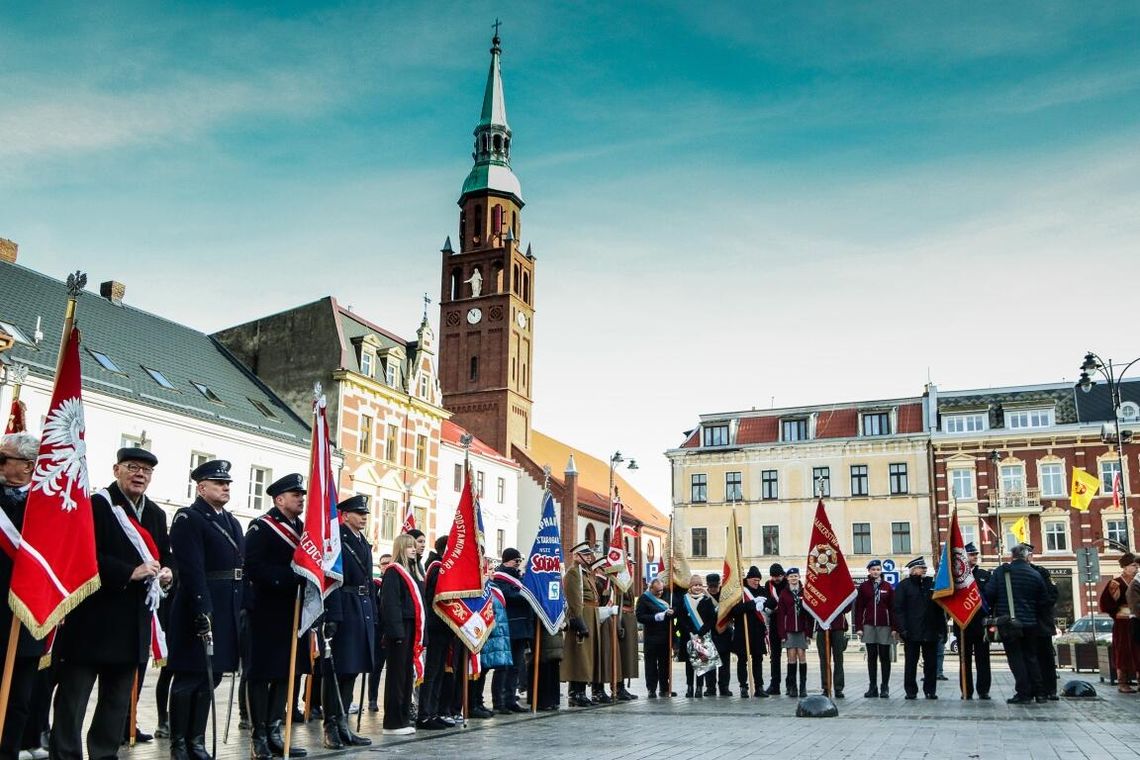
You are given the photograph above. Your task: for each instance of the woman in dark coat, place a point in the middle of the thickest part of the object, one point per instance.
(796, 627)
(402, 616)
(692, 626)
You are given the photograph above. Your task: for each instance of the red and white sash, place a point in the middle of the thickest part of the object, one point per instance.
(419, 652)
(284, 531)
(144, 544)
(508, 578)
(751, 599)
(9, 536)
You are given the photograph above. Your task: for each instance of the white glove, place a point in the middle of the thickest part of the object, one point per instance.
(614, 610)
(659, 617)
(604, 614)
(759, 603)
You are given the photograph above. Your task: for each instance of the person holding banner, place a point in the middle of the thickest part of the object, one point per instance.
(751, 639)
(972, 644)
(441, 642)
(272, 594)
(796, 628)
(627, 642)
(402, 615)
(655, 614)
(109, 634)
(520, 621)
(717, 681)
(777, 582)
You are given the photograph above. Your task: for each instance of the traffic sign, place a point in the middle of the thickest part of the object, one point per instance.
(1088, 565)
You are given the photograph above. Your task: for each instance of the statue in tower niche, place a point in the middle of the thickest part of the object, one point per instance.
(476, 283)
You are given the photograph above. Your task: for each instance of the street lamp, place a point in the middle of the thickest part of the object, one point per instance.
(1107, 370)
(995, 502)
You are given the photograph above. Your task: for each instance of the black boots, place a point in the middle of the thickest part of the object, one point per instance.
(332, 735)
(347, 738)
(803, 679)
(276, 741)
(259, 743)
(790, 680)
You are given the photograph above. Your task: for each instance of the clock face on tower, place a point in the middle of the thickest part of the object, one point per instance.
(520, 318)
(474, 315)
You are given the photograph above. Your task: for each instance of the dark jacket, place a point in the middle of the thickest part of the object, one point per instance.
(12, 502)
(112, 626)
(1048, 622)
(271, 595)
(708, 612)
(685, 623)
(353, 608)
(876, 609)
(520, 615)
(790, 619)
(773, 590)
(205, 542)
(976, 630)
(397, 606)
(1030, 597)
(656, 633)
(757, 625)
(919, 617)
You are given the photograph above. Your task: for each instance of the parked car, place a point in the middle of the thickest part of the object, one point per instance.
(1081, 631)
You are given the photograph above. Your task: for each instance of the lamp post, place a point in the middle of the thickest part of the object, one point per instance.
(1113, 376)
(995, 501)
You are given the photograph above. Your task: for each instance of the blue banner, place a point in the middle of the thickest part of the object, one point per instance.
(542, 579)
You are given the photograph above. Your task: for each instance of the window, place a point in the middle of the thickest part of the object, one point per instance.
(392, 445)
(263, 408)
(365, 438)
(969, 532)
(739, 537)
(769, 485)
(423, 386)
(962, 483)
(770, 540)
(15, 332)
(458, 484)
(877, 423)
(821, 480)
(861, 538)
(500, 541)
(900, 538)
(716, 435)
(421, 456)
(500, 490)
(366, 360)
(158, 377)
(259, 478)
(479, 484)
(388, 519)
(732, 486)
(1052, 479)
(859, 485)
(899, 483)
(197, 459)
(390, 375)
(1028, 418)
(699, 488)
(205, 391)
(794, 430)
(1012, 478)
(964, 423)
(104, 361)
(1056, 536)
(1109, 469)
(473, 370)
(700, 540)
(1114, 531)
(1128, 411)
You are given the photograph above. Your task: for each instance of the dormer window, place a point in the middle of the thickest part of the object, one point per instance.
(1028, 418)
(716, 435)
(366, 360)
(964, 423)
(1129, 411)
(391, 374)
(794, 430)
(875, 423)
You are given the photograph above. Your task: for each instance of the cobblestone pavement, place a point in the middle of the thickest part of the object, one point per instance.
(731, 727)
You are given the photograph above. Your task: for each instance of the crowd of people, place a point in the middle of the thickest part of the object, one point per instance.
(203, 596)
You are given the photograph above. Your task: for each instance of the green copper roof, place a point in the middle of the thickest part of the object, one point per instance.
(490, 176)
(494, 106)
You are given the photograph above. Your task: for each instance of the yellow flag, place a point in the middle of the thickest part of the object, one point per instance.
(731, 584)
(1084, 489)
(678, 566)
(1020, 530)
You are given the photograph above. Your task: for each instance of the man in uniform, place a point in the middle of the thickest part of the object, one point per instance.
(921, 621)
(108, 636)
(18, 452)
(607, 631)
(972, 644)
(775, 585)
(209, 549)
(581, 641)
(350, 625)
(627, 639)
(272, 587)
(753, 605)
(1046, 654)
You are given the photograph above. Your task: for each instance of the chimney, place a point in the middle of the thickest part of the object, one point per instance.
(8, 251)
(113, 291)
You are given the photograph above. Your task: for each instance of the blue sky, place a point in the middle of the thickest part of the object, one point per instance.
(731, 202)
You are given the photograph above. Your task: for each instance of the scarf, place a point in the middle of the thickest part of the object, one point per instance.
(419, 652)
(751, 598)
(659, 604)
(144, 544)
(691, 610)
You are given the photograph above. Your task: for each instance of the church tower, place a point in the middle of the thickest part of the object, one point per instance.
(487, 290)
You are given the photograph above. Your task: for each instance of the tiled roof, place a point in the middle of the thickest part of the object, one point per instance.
(910, 418)
(133, 339)
(758, 430)
(837, 423)
(450, 433)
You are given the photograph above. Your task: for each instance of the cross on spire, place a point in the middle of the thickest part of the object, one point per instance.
(497, 24)
(427, 302)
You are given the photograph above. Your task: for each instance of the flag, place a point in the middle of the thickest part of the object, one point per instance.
(55, 567)
(409, 519)
(678, 566)
(1084, 488)
(542, 579)
(615, 565)
(17, 418)
(954, 585)
(317, 558)
(462, 599)
(828, 588)
(1020, 529)
(731, 582)
(1117, 489)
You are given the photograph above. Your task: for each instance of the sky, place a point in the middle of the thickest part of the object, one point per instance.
(733, 205)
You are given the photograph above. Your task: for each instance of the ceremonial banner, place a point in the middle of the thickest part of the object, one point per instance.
(317, 559)
(678, 567)
(409, 519)
(731, 581)
(55, 567)
(542, 579)
(462, 599)
(17, 418)
(1083, 489)
(954, 585)
(828, 586)
(615, 565)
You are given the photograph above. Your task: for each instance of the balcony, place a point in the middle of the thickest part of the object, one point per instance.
(1026, 502)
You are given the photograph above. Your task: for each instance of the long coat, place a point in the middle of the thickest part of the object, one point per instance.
(205, 542)
(12, 502)
(579, 653)
(604, 641)
(112, 626)
(353, 608)
(919, 617)
(271, 594)
(398, 609)
(757, 626)
(656, 632)
(627, 647)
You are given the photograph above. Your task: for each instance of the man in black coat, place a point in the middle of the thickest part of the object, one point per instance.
(209, 550)
(1046, 654)
(18, 452)
(722, 640)
(773, 588)
(656, 616)
(921, 622)
(520, 620)
(271, 595)
(350, 625)
(753, 607)
(1030, 606)
(108, 636)
(972, 644)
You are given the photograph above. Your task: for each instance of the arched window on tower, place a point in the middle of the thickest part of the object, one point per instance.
(473, 372)
(485, 143)
(515, 223)
(462, 229)
(498, 143)
(515, 280)
(477, 230)
(456, 279)
(496, 219)
(526, 287)
(507, 145)
(497, 275)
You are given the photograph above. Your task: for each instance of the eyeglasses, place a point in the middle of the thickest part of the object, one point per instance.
(5, 457)
(134, 468)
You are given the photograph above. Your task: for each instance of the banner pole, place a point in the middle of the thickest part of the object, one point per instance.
(133, 715)
(292, 675)
(962, 655)
(748, 654)
(466, 672)
(672, 618)
(826, 662)
(9, 662)
(537, 659)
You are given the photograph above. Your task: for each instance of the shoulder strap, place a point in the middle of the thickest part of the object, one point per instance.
(1009, 595)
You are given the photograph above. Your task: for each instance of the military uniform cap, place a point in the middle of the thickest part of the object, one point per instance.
(358, 504)
(581, 548)
(874, 563)
(294, 481)
(971, 548)
(135, 454)
(215, 469)
(792, 571)
(916, 562)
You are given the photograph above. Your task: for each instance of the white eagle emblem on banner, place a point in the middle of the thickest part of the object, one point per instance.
(62, 468)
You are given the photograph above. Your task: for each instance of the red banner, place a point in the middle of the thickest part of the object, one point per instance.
(954, 585)
(55, 567)
(828, 587)
(17, 422)
(461, 572)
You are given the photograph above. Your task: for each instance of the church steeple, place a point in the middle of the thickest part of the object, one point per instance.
(492, 154)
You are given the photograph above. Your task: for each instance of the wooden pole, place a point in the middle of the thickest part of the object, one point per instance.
(466, 669)
(537, 660)
(672, 618)
(133, 715)
(826, 662)
(962, 655)
(748, 653)
(9, 661)
(292, 675)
